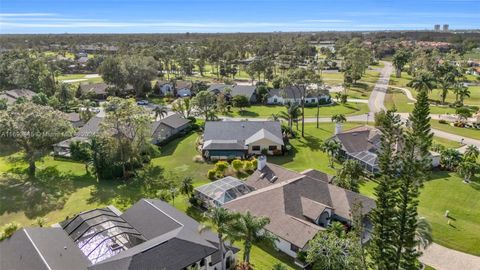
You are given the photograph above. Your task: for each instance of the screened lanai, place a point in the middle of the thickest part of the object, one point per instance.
(222, 191)
(367, 160)
(101, 233)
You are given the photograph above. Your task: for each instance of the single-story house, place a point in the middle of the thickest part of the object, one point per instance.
(299, 205)
(293, 95)
(181, 89)
(83, 60)
(99, 91)
(235, 90)
(219, 192)
(168, 127)
(363, 143)
(83, 134)
(75, 119)
(11, 96)
(149, 235)
(238, 139)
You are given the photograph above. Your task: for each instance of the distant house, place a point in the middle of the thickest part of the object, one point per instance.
(181, 89)
(238, 139)
(299, 205)
(97, 90)
(235, 90)
(75, 119)
(168, 127)
(11, 96)
(476, 71)
(363, 144)
(83, 134)
(149, 235)
(294, 95)
(82, 60)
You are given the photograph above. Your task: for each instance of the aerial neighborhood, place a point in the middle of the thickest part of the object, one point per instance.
(268, 150)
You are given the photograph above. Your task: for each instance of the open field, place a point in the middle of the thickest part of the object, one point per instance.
(264, 111)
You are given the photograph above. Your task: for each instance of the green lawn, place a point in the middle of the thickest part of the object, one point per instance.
(447, 143)
(466, 132)
(474, 98)
(396, 98)
(264, 111)
(446, 191)
(77, 191)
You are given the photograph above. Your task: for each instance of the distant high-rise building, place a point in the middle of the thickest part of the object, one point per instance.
(437, 27)
(445, 27)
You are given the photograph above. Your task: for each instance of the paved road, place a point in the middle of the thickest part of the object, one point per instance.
(377, 97)
(442, 258)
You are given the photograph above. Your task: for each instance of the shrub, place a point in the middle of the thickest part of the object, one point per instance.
(442, 121)
(248, 165)
(264, 151)
(221, 166)
(254, 163)
(211, 174)
(9, 229)
(237, 165)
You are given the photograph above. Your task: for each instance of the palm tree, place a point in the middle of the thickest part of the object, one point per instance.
(423, 233)
(220, 220)
(450, 159)
(65, 94)
(160, 111)
(292, 114)
(279, 266)
(467, 169)
(251, 230)
(186, 187)
(423, 82)
(461, 91)
(350, 175)
(337, 228)
(331, 147)
(274, 117)
(339, 118)
(471, 153)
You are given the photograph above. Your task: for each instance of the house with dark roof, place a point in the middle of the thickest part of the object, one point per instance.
(149, 235)
(75, 119)
(11, 96)
(83, 134)
(293, 95)
(177, 89)
(248, 91)
(363, 144)
(167, 127)
(299, 205)
(97, 90)
(239, 139)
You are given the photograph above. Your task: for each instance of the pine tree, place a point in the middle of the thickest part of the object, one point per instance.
(382, 245)
(414, 171)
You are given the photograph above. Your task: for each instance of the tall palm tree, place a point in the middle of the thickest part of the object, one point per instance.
(467, 169)
(292, 114)
(423, 82)
(186, 187)
(274, 117)
(461, 92)
(471, 153)
(331, 147)
(160, 111)
(221, 220)
(251, 230)
(65, 94)
(423, 233)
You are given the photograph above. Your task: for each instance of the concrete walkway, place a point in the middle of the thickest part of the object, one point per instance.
(442, 258)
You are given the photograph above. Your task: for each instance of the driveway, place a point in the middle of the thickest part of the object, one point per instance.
(442, 258)
(377, 98)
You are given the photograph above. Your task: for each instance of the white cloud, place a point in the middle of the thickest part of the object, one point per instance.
(27, 15)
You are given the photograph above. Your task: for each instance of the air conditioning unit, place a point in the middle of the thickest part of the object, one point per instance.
(273, 179)
(263, 175)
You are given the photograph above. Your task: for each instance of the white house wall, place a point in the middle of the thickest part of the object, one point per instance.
(284, 246)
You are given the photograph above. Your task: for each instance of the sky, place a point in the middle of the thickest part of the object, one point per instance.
(180, 16)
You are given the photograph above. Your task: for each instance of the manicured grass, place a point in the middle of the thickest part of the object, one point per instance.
(264, 111)
(466, 132)
(446, 191)
(396, 98)
(70, 77)
(435, 95)
(447, 143)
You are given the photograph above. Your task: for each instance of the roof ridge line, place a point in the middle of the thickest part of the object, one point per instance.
(154, 206)
(36, 249)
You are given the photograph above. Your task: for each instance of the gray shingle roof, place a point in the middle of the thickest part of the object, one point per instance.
(243, 90)
(219, 87)
(97, 88)
(173, 121)
(237, 132)
(41, 248)
(18, 93)
(293, 200)
(90, 128)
